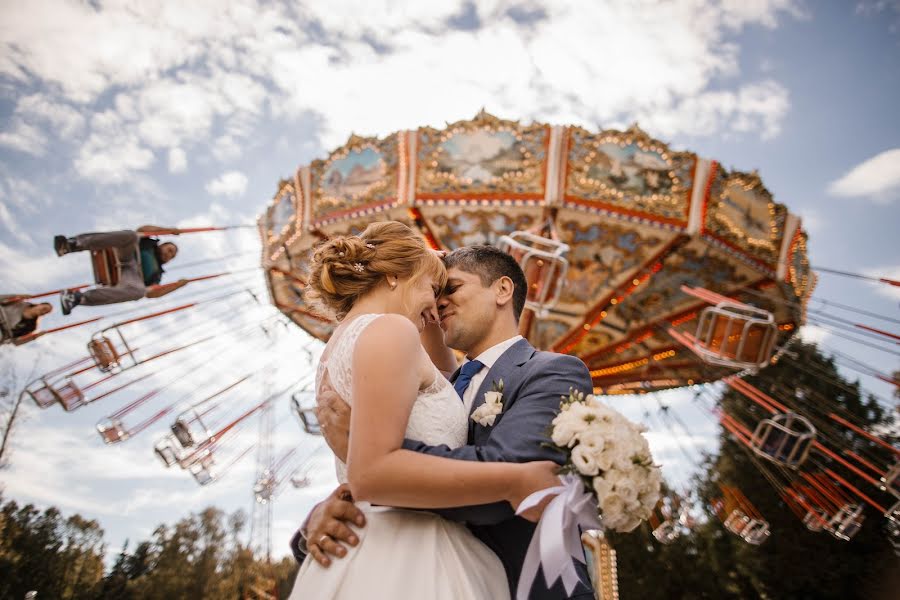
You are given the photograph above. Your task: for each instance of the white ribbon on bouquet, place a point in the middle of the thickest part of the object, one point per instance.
(557, 539)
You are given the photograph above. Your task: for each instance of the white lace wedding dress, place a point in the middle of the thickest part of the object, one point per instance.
(404, 553)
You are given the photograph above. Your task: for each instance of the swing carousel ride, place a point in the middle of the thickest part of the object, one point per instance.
(660, 269)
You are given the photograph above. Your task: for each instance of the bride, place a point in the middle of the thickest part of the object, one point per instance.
(382, 286)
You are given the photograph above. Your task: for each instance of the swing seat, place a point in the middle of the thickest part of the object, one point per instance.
(69, 395)
(104, 353)
(889, 479)
(847, 522)
(300, 481)
(107, 266)
(544, 264)
(666, 532)
(305, 411)
(182, 433)
(43, 395)
(784, 439)
(167, 451)
(112, 431)
(202, 470)
(736, 521)
(816, 520)
(755, 532)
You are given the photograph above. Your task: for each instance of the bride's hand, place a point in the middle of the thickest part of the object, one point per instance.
(534, 476)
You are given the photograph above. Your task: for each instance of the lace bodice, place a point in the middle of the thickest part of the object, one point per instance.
(438, 415)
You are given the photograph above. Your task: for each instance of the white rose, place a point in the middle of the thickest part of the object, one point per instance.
(602, 487)
(583, 459)
(627, 490)
(612, 503)
(486, 414)
(493, 397)
(566, 427)
(592, 440)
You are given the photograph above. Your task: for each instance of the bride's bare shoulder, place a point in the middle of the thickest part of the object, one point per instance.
(388, 336)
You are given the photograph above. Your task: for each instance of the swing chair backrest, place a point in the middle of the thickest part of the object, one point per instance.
(545, 266)
(666, 532)
(202, 470)
(69, 395)
(736, 521)
(107, 266)
(167, 450)
(112, 431)
(890, 478)
(755, 532)
(189, 430)
(104, 353)
(736, 335)
(784, 438)
(42, 394)
(847, 521)
(303, 405)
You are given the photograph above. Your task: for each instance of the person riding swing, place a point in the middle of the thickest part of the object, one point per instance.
(139, 259)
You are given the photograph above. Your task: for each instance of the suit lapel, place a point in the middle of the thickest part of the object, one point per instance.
(514, 357)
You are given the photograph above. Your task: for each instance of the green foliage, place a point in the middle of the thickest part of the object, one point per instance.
(200, 556)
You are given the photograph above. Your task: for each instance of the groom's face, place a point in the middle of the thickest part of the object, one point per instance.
(466, 308)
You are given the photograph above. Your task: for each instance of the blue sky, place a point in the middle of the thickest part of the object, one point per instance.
(115, 114)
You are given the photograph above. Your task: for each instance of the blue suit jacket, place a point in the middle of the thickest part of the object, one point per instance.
(533, 383)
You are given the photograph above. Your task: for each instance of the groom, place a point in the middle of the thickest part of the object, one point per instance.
(479, 311)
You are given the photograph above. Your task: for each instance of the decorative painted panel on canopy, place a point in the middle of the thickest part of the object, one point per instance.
(281, 219)
(742, 215)
(363, 175)
(629, 173)
(482, 158)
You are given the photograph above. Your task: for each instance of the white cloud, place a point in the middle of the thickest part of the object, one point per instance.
(877, 178)
(232, 183)
(23, 272)
(199, 68)
(24, 138)
(112, 159)
(64, 119)
(177, 160)
(814, 334)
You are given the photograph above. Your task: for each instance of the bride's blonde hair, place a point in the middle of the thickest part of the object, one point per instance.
(344, 268)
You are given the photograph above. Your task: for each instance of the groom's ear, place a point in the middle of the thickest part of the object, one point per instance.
(504, 289)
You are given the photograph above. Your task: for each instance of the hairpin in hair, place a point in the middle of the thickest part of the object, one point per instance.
(341, 253)
(358, 267)
(370, 245)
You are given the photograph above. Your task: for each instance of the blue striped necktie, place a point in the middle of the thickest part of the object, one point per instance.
(466, 373)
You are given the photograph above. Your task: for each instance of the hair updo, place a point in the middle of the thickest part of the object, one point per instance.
(344, 268)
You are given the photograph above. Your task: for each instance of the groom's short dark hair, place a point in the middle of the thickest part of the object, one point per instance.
(490, 264)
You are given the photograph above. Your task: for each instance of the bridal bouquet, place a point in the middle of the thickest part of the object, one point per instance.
(609, 454)
(608, 480)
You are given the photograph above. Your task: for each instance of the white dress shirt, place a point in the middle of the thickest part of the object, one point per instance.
(487, 358)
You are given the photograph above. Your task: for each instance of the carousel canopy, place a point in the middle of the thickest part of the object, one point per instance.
(645, 226)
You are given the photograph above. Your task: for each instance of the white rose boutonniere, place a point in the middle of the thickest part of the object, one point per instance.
(486, 414)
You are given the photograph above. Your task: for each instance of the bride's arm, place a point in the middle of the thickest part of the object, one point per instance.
(386, 380)
(432, 338)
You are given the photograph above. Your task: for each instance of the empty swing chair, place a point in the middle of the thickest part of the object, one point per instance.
(730, 333)
(543, 260)
(740, 517)
(303, 405)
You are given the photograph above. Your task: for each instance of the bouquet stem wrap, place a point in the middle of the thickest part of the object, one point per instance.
(557, 539)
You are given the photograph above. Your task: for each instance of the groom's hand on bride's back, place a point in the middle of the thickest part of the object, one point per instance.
(333, 415)
(327, 527)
